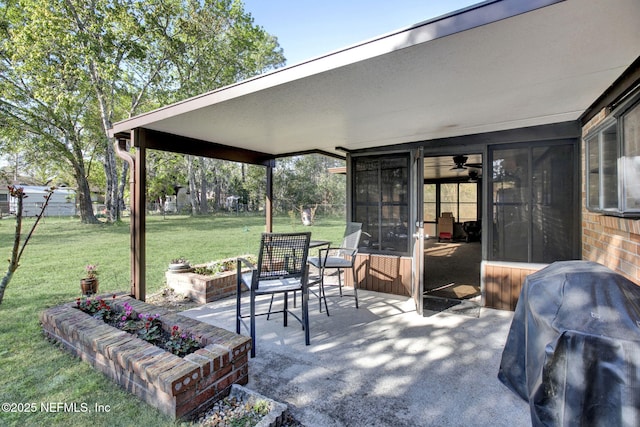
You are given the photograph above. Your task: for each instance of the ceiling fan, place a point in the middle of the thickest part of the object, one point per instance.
(474, 175)
(460, 163)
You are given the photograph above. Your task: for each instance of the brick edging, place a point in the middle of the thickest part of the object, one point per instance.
(178, 387)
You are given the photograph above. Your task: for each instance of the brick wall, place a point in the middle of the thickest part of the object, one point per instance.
(608, 240)
(180, 387)
(200, 288)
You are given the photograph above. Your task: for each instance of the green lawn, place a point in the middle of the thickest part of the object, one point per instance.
(37, 374)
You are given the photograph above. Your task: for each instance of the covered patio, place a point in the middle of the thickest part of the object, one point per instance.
(381, 364)
(489, 77)
(496, 73)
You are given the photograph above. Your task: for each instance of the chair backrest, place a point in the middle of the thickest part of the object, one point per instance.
(352, 234)
(283, 255)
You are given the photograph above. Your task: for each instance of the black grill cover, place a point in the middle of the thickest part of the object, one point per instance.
(573, 350)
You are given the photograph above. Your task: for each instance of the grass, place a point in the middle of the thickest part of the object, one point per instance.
(34, 373)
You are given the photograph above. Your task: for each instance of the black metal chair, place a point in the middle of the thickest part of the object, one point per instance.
(341, 258)
(281, 268)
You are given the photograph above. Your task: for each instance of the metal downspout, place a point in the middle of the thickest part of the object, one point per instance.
(122, 151)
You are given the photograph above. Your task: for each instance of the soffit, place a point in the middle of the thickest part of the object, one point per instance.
(540, 67)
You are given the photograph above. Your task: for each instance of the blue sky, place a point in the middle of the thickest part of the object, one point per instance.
(306, 29)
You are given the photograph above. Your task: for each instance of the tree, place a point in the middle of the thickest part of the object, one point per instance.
(17, 250)
(304, 181)
(70, 68)
(165, 174)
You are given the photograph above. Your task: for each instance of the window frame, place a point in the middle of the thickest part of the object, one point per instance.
(615, 122)
(379, 204)
(495, 250)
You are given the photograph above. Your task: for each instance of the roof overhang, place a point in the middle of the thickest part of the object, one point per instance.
(499, 65)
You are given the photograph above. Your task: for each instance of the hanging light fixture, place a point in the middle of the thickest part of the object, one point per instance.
(459, 163)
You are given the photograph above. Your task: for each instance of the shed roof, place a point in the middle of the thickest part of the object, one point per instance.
(499, 65)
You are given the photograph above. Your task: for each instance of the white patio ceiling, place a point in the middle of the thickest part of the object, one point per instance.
(487, 68)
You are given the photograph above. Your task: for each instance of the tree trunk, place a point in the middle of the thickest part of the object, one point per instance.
(84, 195)
(192, 184)
(217, 191)
(13, 262)
(122, 186)
(204, 207)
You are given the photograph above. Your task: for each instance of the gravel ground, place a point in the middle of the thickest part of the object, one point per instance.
(230, 412)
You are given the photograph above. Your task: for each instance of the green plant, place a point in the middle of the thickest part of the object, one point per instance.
(214, 267)
(91, 271)
(181, 343)
(261, 407)
(126, 321)
(151, 329)
(98, 308)
(250, 414)
(17, 251)
(146, 326)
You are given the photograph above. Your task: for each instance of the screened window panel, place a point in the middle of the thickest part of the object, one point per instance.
(381, 201)
(468, 197)
(533, 204)
(430, 198)
(631, 159)
(449, 199)
(609, 150)
(552, 214)
(468, 212)
(593, 153)
(511, 195)
(394, 235)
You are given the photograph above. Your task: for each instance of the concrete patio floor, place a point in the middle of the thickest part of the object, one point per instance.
(381, 364)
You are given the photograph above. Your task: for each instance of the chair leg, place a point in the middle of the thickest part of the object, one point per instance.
(286, 308)
(253, 323)
(238, 307)
(305, 316)
(270, 305)
(321, 294)
(340, 280)
(355, 286)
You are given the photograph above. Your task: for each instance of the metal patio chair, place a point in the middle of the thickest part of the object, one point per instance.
(341, 258)
(281, 268)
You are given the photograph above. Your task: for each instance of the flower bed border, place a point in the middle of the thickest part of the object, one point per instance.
(179, 387)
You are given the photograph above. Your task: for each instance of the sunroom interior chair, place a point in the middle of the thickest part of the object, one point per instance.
(281, 268)
(339, 259)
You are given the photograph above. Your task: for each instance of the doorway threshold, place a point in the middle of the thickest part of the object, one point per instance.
(433, 305)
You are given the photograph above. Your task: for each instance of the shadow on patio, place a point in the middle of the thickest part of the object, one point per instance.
(381, 364)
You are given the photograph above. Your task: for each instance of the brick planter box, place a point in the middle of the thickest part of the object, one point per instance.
(180, 387)
(202, 288)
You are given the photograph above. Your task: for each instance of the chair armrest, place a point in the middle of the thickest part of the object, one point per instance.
(240, 261)
(347, 251)
(350, 251)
